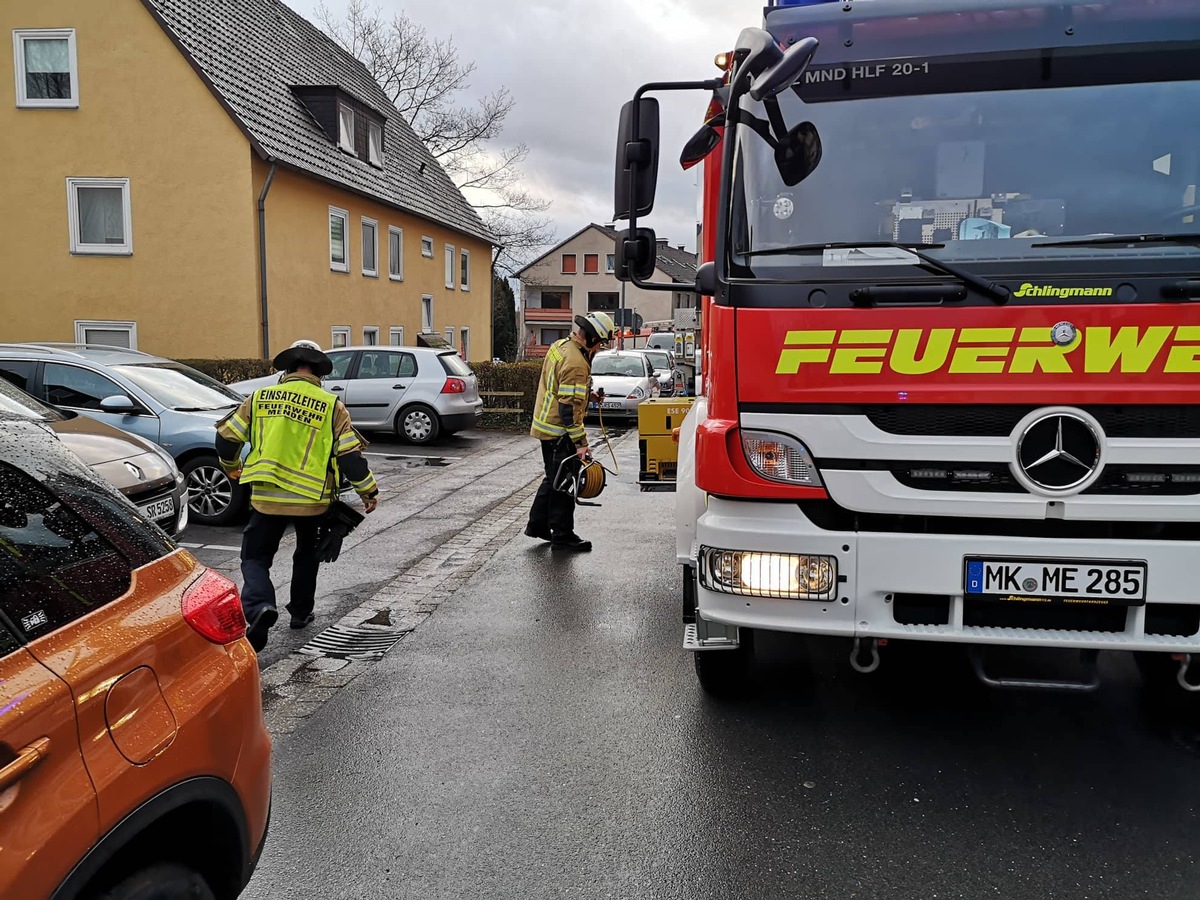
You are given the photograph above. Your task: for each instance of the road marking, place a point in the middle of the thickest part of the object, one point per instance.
(211, 547)
(190, 546)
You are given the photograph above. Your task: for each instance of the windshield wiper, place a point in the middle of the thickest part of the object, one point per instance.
(1101, 240)
(203, 408)
(998, 293)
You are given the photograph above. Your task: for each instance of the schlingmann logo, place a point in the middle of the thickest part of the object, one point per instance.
(1049, 290)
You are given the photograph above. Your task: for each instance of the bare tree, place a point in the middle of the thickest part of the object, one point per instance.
(426, 80)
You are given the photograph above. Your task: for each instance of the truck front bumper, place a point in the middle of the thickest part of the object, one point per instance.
(910, 586)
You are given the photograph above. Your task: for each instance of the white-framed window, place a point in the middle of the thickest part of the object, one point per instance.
(346, 127)
(100, 216)
(370, 247)
(464, 274)
(464, 343)
(370, 335)
(396, 335)
(610, 263)
(427, 246)
(395, 253)
(339, 336)
(113, 334)
(450, 335)
(450, 266)
(47, 69)
(427, 314)
(375, 144)
(339, 222)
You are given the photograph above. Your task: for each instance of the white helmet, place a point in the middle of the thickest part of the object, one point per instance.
(308, 345)
(598, 326)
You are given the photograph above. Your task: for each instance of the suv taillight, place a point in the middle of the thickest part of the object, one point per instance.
(213, 607)
(454, 386)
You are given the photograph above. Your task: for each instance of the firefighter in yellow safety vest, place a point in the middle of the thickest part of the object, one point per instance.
(562, 398)
(301, 442)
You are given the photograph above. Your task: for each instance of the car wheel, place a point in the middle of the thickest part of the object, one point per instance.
(418, 424)
(212, 498)
(165, 881)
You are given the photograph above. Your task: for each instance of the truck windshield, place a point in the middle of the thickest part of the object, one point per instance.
(983, 156)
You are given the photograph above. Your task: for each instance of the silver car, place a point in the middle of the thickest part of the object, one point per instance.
(670, 377)
(418, 392)
(145, 473)
(627, 378)
(165, 402)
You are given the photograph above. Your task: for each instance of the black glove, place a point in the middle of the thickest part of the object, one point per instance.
(335, 526)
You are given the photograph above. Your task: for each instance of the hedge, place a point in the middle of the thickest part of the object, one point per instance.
(519, 377)
(227, 371)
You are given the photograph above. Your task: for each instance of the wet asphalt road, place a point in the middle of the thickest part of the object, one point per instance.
(542, 736)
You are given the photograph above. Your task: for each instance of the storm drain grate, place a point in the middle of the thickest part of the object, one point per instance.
(353, 642)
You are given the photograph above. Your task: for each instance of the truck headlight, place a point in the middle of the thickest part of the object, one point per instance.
(778, 457)
(760, 574)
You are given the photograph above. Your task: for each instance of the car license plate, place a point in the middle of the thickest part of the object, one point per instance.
(1056, 581)
(159, 509)
(612, 404)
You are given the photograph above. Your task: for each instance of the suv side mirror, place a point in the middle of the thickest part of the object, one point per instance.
(119, 403)
(637, 159)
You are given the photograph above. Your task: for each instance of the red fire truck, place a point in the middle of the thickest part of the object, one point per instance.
(951, 343)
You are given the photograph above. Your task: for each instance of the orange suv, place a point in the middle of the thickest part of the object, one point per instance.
(134, 760)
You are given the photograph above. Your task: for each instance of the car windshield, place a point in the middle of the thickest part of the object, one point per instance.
(659, 360)
(618, 365)
(180, 387)
(985, 156)
(14, 401)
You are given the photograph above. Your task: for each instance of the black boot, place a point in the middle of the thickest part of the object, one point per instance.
(570, 541)
(542, 532)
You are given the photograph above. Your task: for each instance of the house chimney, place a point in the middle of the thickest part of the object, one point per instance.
(664, 243)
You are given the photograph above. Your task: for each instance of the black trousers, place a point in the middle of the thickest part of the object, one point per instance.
(260, 543)
(553, 509)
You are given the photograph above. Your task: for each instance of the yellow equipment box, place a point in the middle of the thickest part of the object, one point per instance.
(657, 421)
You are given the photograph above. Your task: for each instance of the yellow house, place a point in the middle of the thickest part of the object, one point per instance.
(200, 179)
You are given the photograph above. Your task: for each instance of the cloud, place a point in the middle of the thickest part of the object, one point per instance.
(571, 65)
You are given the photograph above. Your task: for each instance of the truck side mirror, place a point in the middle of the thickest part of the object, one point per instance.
(702, 143)
(637, 159)
(785, 71)
(635, 254)
(799, 154)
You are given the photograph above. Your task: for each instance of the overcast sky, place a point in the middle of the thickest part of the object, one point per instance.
(570, 65)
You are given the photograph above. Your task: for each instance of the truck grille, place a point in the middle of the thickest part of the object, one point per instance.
(829, 516)
(1144, 481)
(1150, 421)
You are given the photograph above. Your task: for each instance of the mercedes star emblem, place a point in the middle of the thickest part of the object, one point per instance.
(1059, 452)
(1063, 334)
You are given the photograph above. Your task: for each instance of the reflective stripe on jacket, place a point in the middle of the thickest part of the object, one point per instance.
(565, 379)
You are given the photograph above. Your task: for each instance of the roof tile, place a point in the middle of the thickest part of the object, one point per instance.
(252, 52)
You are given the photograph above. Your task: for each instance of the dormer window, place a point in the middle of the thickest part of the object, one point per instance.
(346, 127)
(374, 144)
(352, 126)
